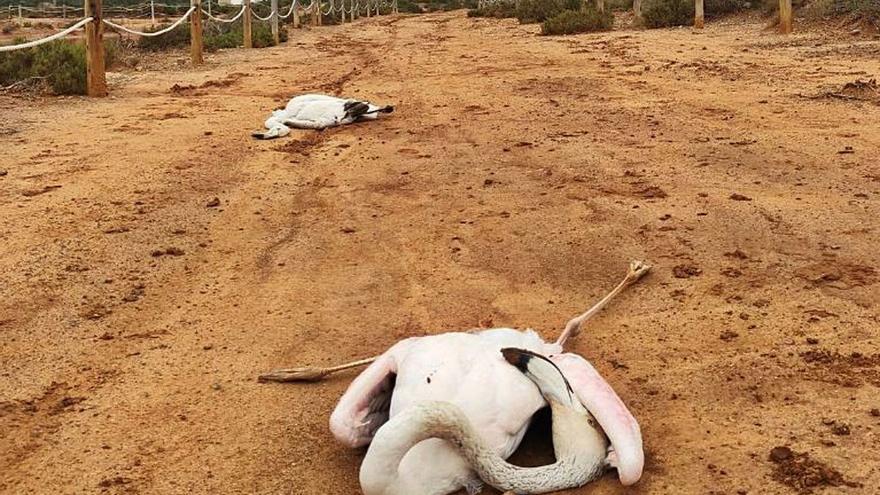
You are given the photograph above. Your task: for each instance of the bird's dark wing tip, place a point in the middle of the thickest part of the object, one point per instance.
(517, 357)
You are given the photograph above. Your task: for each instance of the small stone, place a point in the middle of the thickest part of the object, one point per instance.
(215, 386)
(875, 412)
(207, 347)
(213, 203)
(3, 173)
(812, 340)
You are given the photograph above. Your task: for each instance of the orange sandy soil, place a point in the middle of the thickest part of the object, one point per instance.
(517, 178)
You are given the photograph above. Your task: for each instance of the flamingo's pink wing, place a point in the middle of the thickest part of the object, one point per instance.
(604, 404)
(365, 405)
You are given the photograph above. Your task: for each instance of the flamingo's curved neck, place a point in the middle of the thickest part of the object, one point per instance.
(379, 471)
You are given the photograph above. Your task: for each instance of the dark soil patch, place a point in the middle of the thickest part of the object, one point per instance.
(804, 474)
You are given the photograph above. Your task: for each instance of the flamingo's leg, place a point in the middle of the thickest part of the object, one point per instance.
(637, 269)
(309, 373)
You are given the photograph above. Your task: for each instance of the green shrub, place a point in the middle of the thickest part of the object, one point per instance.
(533, 11)
(665, 13)
(61, 64)
(409, 6)
(215, 36)
(177, 38)
(772, 6)
(65, 66)
(619, 4)
(586, 20)
(447, 5)
(715, 8)
(16, 65)
(500, 10)
(864, 9)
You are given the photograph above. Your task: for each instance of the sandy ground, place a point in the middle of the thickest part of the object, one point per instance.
(517, 178)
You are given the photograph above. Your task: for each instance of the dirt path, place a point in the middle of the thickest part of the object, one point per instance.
(517, 178)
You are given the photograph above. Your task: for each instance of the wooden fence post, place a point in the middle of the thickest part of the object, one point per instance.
(785, 13)
(600, 6)
(296, 14)
(276, 37)
(397, 11)
(247, 32)
(342, 2)
(637, 8)
(368, 8)
(96, 78)
(699, 20)
(195, 33)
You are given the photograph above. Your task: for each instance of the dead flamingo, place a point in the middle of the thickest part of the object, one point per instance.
(441, 412)
(316, 111)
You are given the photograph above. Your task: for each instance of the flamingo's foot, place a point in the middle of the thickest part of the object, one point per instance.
(637, 270)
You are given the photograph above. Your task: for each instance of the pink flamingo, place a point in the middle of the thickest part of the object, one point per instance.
(443, 412)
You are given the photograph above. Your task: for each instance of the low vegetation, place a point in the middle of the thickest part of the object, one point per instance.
(532, 11)
(555, 16)
(666, 13)
(60, 64)
(867, 10)
(216, 36)
(585, 20)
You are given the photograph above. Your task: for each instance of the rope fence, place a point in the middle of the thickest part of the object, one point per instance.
(94, 14)
(220, 19)
(151, 34)
(48, 39)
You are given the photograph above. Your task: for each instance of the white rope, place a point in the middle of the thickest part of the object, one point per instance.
(60, 34)
(292, 6)
(254, 12)
(220, 19)
(329, 10)
(157, 33)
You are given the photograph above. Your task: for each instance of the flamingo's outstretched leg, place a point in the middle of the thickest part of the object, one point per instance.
(637, 269)
(310, 373)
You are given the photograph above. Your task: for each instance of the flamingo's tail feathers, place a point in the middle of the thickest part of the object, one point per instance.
(546, 375)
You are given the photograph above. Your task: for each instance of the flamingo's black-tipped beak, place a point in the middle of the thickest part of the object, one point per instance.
(387, 109)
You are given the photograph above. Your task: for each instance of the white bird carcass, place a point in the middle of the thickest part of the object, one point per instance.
(315, 111)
